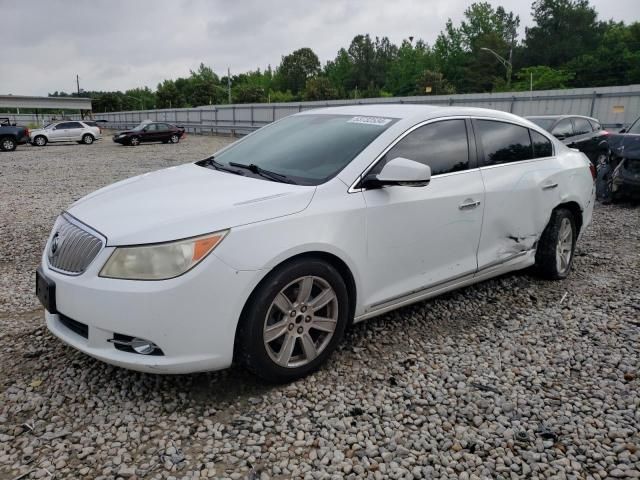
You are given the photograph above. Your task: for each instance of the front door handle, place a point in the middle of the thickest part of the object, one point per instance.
(549, 186)
(469, 204)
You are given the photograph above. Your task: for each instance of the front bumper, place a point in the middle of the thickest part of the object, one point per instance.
(191, 318)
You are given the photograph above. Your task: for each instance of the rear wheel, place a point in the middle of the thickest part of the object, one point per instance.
(293, 321)
(175, 138)
(554, 255)
(40, 141)
(87, 139)
(134, 141)
(8, 144)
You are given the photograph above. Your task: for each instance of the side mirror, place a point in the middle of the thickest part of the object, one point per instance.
(624, 130)
(399, 171)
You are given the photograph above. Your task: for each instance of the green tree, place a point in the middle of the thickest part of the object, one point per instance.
(542, 78)
(562, 31)
(296, 68)
(319, 88)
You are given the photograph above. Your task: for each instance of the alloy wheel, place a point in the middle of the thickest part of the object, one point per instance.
(564, 247)
(174, 139)
(7, 144)
(135, 141)
(300, 321)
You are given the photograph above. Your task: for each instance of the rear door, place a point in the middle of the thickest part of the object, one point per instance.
(521, 179)
(418, 237)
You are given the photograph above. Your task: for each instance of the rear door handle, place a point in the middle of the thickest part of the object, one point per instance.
(469, 204)
(549, 186)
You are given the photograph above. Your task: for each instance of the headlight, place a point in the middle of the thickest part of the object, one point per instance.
(162, 260)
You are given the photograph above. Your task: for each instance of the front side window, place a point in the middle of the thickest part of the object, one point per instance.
(63, 126)
(581, 126)
(541, 145)
(74, 125)
(152, 127)
(563, 129)
(307, 149)
(503, 142)
(442, 145)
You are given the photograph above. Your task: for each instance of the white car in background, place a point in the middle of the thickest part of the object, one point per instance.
(66, 131)
(265, 252)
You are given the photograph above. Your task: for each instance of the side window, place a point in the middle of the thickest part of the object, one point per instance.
(442, 145)
(162, 127)
(503, 142)
(73, 125)
(596, 126)
(152, 127)
(64, 125)
(563, 129)
(541, 145)
(581, 126)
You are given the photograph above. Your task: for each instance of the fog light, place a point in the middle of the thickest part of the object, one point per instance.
(142, 346)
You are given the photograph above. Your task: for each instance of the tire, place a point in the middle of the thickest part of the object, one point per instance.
(301, 337)
(8, 144)
(134, 141)
(40, 141)
(87, 139)
(554, 255)
(175, 138)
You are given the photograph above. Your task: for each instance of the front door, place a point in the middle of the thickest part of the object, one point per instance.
(418, 237)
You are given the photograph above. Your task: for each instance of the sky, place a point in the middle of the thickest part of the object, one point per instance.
(122, 44)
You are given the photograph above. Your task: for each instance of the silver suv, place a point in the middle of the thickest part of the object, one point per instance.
(67, 131)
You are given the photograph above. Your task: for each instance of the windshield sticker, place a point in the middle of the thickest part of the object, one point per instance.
(370, 120)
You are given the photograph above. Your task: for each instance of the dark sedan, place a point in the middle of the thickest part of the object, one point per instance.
(575, 131)
(624, 181)
(150, 132)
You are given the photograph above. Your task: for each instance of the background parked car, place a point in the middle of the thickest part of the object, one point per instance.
(11, 136)
(150, 132)
(575, 131)
(625, 162)
(66, 131)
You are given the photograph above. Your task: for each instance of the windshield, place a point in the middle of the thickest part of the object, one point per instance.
(307, 149)
(545, 123)
(635, 128)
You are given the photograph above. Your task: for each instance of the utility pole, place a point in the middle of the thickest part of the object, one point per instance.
(505, 63)
(229, 83)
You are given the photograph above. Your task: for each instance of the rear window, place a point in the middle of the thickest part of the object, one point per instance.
(309, 149)
(503, 142)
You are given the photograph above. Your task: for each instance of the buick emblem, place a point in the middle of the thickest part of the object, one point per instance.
(55, 244)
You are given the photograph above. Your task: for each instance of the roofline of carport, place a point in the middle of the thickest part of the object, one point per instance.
(58, 103)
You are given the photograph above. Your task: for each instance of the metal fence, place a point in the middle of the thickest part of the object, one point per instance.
(613, 106)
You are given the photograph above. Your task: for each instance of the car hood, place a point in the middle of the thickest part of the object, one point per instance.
(124, 132)
(185, 201)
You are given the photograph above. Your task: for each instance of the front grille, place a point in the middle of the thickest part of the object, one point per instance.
(76, 327)
(71, 249)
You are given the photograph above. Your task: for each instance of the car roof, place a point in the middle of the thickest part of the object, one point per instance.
(412, 111)
(559, 117)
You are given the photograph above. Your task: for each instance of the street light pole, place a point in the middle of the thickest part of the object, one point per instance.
(505, 63)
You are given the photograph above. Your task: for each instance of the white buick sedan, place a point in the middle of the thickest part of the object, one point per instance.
(265, 252)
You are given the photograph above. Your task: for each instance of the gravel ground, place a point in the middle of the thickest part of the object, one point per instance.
(512, 378)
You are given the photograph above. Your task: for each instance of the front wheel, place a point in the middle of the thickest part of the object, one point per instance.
(554, 255)
(8, 144)
(293, 321)
(134, 141)
(87, 139)
(40, 141)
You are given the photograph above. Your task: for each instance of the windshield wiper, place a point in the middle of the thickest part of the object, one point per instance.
(211, 162)
(253, 168)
